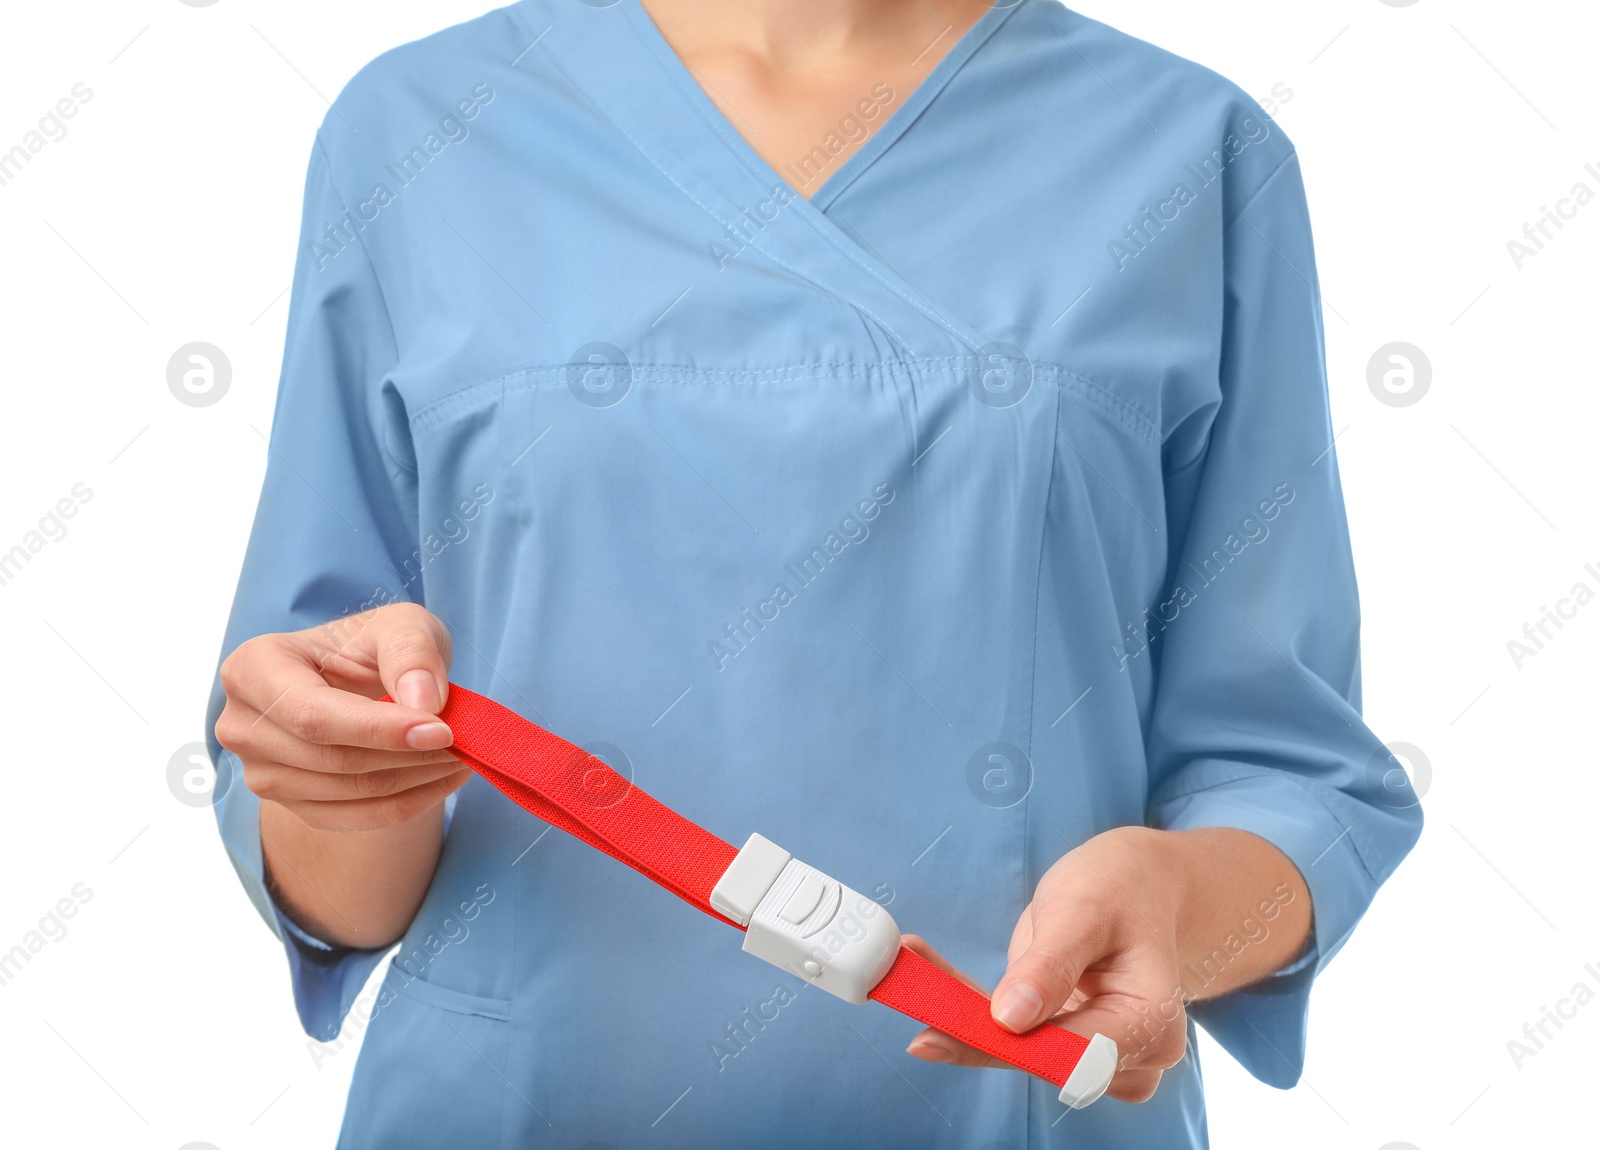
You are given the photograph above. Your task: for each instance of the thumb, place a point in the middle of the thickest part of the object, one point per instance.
(1041, 978)
(412, 649)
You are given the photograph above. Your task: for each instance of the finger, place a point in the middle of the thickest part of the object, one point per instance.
(1068, 936)
(240, 729)
(284, 783)
(277, 679)
(1021, 936)
(374, 814)
(408, 647)
(413, 661)
(1134, 1085)
(321, 714)
(937, 1046)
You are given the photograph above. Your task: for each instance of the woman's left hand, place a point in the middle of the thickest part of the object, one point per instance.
(1127, 929)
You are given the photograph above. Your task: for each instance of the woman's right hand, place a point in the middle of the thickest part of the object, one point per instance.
(302, 716)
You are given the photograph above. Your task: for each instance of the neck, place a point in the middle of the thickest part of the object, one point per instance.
(787, 33)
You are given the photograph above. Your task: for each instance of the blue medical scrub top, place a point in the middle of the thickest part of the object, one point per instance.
(979, 504)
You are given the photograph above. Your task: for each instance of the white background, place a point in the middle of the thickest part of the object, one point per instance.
(1429, 135)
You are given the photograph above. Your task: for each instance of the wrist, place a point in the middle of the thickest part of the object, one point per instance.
(1191, 869)
(1243, 909)
(350, 888)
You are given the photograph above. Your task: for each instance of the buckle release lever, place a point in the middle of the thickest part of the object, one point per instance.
(806, 922)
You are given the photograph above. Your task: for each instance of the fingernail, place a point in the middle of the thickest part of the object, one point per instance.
(429, 737)
(1019, 1007)
(417, 690)
(929, 1052)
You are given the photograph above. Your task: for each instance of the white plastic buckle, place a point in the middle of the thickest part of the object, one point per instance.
(807, 922)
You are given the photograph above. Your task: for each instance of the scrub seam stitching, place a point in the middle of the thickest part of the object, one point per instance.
(527, 379)
(1033, 692)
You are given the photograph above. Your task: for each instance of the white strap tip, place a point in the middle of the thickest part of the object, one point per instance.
(1089, 1079)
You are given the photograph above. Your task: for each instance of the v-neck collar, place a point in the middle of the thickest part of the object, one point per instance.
(900, 118)
(615, 56)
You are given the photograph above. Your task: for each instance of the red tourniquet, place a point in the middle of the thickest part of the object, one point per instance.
(566, 786)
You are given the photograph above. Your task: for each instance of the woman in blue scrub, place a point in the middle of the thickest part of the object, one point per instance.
(896, 428)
